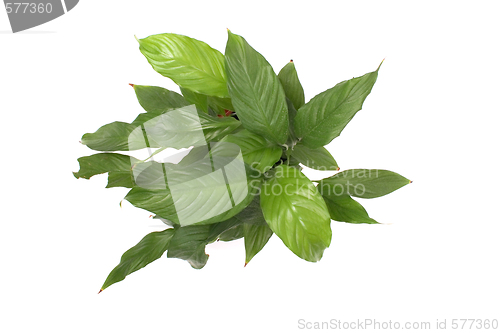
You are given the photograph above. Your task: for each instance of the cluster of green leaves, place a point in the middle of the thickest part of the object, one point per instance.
(240, 99)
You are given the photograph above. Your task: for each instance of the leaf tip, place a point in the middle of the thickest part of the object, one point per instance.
(246, 263)
(291, 60)
(411, 181)
(338, 168)
(137, 39)
(131, 84)
(380, 64)
(99, 291)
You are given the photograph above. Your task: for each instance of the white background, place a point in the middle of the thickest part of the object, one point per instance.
(432, 117)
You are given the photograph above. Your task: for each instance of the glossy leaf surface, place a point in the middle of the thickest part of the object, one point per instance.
(319, 158)
(363, 183)
(257, 151)
(150, 248)
(190, 63)
(323, 118)
(296, 213)
(256, 93)
(291, 84)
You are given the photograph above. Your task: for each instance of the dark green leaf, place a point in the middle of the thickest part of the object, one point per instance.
(324, 117)
(256, 237)
(362, 183)
(102, 163)
(343, 208)
(182, 128)
(257, 151)
(256, 93)
(150, 248)
(234, 233)
(111, 137)
(201, 101)
(292, 112)
(296, 213)
(190, 63)
(319, 158)
(188, 243)
(158, 100)
(217, 128)
(291, 84)
(120, 179)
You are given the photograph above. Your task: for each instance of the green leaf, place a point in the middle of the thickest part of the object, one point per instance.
(201, 101)
(319, 158)
(256, 237)
(110, 137)
(190, 63)
(256, 93)
(249, 223)
(150, 248)
(292, 112)
(120, 179)
(180, 129)
(158, 100)
(217, 128)
(104, 162)
(217, 191)
(362, 183)
(204, 102)
(234, 233)
(324, 117)
(296, 213)
(188, 243)
(291, 84)
(343, 208)
(257, 152)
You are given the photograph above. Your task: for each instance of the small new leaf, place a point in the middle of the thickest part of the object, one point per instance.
(290, 82)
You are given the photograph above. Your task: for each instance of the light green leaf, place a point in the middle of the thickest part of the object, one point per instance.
(291, 84)
(190, 63)
(256, 237)
(343, 208)
(256, 93)
(257, 152)
(296, 213)
(362, 183)
(324, 117)
(319, 158)
(158, 100)
(150, 248)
